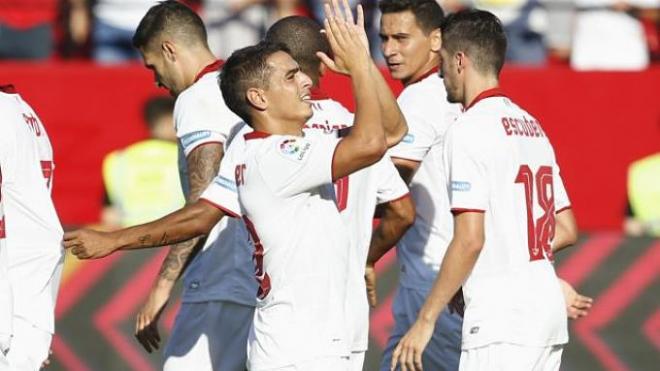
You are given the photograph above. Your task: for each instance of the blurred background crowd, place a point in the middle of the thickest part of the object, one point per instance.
(587, 34)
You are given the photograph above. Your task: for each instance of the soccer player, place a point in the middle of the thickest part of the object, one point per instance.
(300, 321)
(507, 197)
(211, 328)
(31, 254)
(410, 34)
(358, 194)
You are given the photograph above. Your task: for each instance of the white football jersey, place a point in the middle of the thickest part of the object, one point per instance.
(421, 250)
(301, 245)
(223, 269)
(357, 196)
(30, 229)
(500, 162)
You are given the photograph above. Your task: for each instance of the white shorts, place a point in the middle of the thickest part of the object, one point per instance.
(29, 346)
(443, 351)
(511, 357)
(335, 363)
(357, 361)
(209, 336)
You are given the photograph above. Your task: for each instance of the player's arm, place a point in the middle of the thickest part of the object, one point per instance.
(394, 123)
(566, 231)
(461, 256)
(191, 221)
(396, 217)
(407, 168)
(365, 144)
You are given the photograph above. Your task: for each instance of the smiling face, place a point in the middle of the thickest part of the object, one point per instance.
(407, 49)
(288, 92)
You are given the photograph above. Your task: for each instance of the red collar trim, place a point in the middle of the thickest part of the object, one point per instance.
(213, 67)
(9, 89)
(494, 92)
(318, 94)
(428, 73)
(256, 135)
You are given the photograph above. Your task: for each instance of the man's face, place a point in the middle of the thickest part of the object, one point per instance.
(451, 77)
(288, 90)
(405, 46)
(166, 74)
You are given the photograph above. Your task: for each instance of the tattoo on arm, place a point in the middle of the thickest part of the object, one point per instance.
(203, 164)
(146, 241)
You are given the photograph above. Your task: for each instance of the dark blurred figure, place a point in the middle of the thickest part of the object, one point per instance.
(26, 28)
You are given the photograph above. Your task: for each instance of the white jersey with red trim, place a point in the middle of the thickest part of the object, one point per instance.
(500, 162)
(421, 250)
(30, 229)
(301, 245)
(357, 196)
(222, 270)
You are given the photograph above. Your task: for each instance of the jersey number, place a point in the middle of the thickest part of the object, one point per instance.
(541, 231)
(258, 258)
(341, 193)
(47, 171)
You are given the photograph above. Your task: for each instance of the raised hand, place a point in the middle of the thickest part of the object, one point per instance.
(347, 39)
(90, 244)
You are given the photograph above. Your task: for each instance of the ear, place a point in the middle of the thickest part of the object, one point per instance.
(257, 99)
(461, 61)
(168, 49)
(436, 40)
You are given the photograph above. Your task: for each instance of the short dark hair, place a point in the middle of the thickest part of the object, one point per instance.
(157, 107)
(303, 37)
(428, 13)
(172, 17)
(245, 69)
(480, 35)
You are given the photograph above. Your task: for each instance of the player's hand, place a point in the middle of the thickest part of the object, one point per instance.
(370, 279)
(146, 323)
(408, 353)
(90, 244)
(577, 305)
(347, 39)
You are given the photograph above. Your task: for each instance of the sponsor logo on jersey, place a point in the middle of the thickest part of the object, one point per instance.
(459, 186)
(409, 138)
(294, 149)
(193, 137)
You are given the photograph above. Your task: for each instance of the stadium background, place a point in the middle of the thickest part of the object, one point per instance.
(599, 123)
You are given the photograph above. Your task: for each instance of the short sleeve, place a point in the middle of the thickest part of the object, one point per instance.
(466, 169)
(8, 139)
(421, 134)
(222, 193)
(390, 185)
(561, 196)
(202, 119)
(293, 165)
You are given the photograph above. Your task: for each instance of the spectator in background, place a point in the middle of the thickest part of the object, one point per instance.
(26, 28)
(142, 180)
(524, 22)
(111, 24)
(609, 35)
(559, 34)
(643, 216)
(233, 24)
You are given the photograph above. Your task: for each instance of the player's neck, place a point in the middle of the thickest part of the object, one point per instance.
(197, 62)
(424, 71)
(477, 85)
(277, 127)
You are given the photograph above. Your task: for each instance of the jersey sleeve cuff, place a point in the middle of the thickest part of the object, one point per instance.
(188, 150)
(220, 207)
(405, 195)
(563, 209)
(460, 210)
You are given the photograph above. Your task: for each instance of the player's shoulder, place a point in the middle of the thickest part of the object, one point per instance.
(428, 89)
(204, 90)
